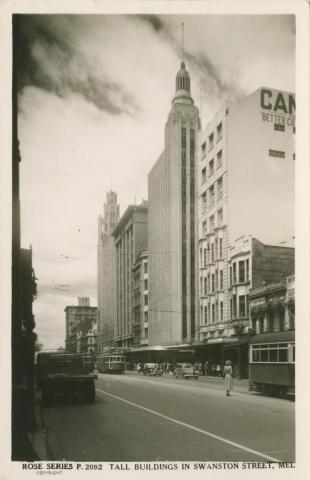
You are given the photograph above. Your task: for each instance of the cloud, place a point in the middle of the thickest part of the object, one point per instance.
(48, 59)
(154, 21)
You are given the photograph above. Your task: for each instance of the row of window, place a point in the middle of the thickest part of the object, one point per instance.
(273, 323)
(279, 127)
(211, 139)
(212, 313)
(211, 167)
(211, 283)
(272, 353)
(213, 251)
(210, 194)
(239, 306)
(239, 272)
(219, 223)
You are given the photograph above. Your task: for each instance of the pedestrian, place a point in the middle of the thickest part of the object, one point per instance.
(218, 370)
(227, 375)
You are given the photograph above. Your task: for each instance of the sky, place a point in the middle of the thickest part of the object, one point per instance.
(94, 95)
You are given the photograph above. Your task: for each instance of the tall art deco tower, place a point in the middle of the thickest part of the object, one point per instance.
(172, 228)
(106, 272)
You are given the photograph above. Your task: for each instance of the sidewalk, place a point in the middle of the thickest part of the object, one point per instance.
(38, 436)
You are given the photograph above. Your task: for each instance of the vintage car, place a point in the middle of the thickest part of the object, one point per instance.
(152, 369)
(185, 370)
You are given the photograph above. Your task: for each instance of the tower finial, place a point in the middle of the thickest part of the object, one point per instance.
(182, 41)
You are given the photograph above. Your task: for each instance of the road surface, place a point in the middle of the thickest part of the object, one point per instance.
(143, 418)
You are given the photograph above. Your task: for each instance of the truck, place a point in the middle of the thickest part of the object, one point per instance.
(64, 374)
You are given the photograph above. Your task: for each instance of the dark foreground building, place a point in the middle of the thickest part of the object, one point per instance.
(23, 292)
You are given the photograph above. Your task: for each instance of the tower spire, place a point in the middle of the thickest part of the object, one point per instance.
(182, 26)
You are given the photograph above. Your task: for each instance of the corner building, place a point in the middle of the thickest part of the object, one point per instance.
(172, 227)
(245, 186)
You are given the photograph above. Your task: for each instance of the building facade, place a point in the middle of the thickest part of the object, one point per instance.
(80, 320)
(106, 272)
(141, 299)
(245, 183)
(130, 235)
(172, 226)
(272, 306)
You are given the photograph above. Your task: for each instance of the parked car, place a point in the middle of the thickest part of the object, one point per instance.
(185, 370)
(152, 369)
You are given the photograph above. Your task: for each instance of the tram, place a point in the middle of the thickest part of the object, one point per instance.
(272, 362)
(111, 363)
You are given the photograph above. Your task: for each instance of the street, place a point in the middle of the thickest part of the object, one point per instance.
(143, 418)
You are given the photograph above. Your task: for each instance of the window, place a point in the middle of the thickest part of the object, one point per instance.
(205, 286)
(230, 276)
(211, 141)
(247, 270)
(204, 228)
(220, 217)
(221, 311)
(201, 286)
(219, 188)
(219, 131)
(204, 257)
(220, 248)
(216, 279)
(234, 306)
(213, 312)
(212, 252)
(216, 248)
(203, 149)
(145, 267)
(146, 317)
(242, 306)
(204, 200)
(211, 168)
(219, 157)
(212, 223)
(183, 137)
(203, 175)
(241, 272)
(145, 284)
(205, 314)
(208, 282)
(276, 153)
(213, 283)
(211, 195)
(146, 300)
(146, 333)
(221, 279)
(234, 273)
